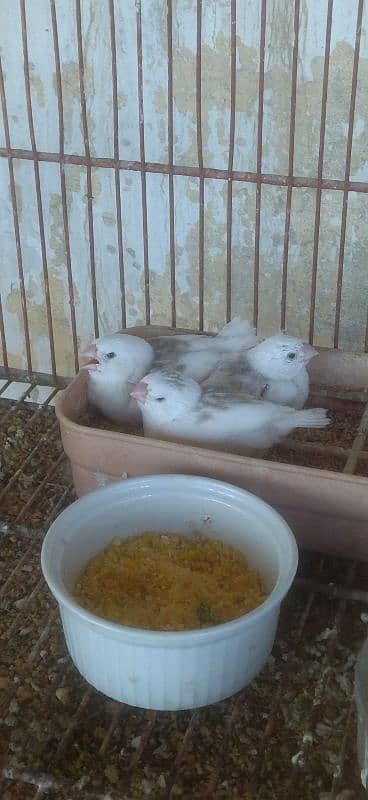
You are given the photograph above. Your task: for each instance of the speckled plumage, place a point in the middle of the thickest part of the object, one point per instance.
(197, 355)
(117, 361)
(180, 409)
(273, 370)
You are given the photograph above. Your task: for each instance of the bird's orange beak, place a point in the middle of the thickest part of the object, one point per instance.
(309, 352)
(89, 354)
(140, 391)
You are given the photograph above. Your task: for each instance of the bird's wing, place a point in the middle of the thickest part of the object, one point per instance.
(238, 375)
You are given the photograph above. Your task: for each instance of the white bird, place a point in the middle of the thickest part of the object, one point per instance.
(178, 408)
(115, 363)
(273, 370)
(197, 355)
(118, 361)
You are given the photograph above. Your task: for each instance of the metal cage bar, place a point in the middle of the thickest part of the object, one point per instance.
(229, 213)
(349, 145)
(78, 14)
(258, 177)
(18, 245)
(322, 133)
(170, 141)
(291, 163)
(68, 259)
(262, 45)
(200, 166)
(142, 165)
(119, 219)
(243, 176)
(27, 83)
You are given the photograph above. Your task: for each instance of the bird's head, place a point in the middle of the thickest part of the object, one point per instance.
(117, 357)
(166, 395)
(281, 357)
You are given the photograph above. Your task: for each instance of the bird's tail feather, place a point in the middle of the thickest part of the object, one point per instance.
(238, 332)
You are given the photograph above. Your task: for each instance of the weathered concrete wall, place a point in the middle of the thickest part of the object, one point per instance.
(216, 121)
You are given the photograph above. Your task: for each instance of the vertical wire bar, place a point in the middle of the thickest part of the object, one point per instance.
(170, 139)
(89, 169)
(349, 145)
(259, 160)
(119, 221)
(38, 187)
(143, 163)
(294, 76)
(18, 246)
(59, 91)
(357, 445)
(229, 221)
(322, 132)
(3, 340)
(200, 165)
(366, 336)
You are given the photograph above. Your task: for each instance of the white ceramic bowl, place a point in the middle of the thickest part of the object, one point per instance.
(169, 670)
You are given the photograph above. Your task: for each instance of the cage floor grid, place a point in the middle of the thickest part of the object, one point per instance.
(290, 735)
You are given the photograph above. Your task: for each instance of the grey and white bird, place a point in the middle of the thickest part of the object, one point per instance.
(178, 408)
(115, 363)
(274, 369)
(197, 355)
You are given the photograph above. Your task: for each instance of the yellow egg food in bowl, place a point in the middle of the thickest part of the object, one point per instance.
(169, 670)
(169, 582)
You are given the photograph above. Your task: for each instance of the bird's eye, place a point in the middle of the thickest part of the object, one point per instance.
(160, 399)
(291, 356)
(110, 355)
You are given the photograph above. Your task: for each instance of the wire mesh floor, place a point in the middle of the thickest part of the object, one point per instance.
(289, 736)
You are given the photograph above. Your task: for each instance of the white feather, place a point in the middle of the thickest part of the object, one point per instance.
(179, 409)
(197, 355)
(121, 361)
(111, 379)
(273, 370)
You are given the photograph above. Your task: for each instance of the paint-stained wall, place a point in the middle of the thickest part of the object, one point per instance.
(70, 224)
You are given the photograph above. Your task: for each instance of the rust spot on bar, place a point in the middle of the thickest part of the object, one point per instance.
(200, 167)
(119, 221)
(89, 170)
(64, 203)
(38, 186)
(291, 163)
(266, 178)
(16, 223)
(170, 139)
(347, 171)
(229, 220)
(259, 161)
(142, 164)
(320, 170)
